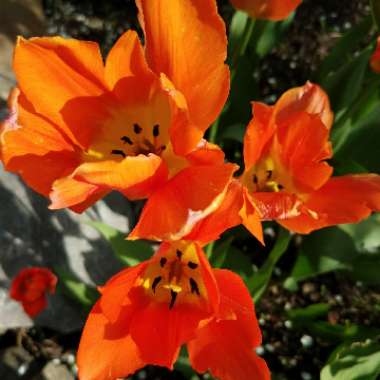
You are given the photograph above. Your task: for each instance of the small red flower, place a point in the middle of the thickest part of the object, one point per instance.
(375, 59)
(30, 287)
(147, 312)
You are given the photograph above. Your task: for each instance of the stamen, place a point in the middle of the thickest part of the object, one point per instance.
(255, 179)
(127, 140)
(137, 128)
(120, 152)
(156, 130)
(269, 174)
(192, 265)
(163, 261)
(156, 281)
(173, 295)
(179, 254)
(280, 187)
(194, 287)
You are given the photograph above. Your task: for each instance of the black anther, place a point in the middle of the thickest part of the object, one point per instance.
(156, 130)
(137, 128)
(194, 287)
(127, 140)
(179, 254)
(156, 281)
(269, 174)
(120, 152)
(255, 179)
(163, 261)
(173, 295)
(192, 265)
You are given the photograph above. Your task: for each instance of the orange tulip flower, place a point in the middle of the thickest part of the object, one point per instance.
(375, 59)
(287, 177)
(78, 129)
(147, 312)
(267, 9)
(30, 287)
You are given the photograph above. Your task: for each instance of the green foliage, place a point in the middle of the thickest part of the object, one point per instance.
(354, 248)
(128, 252)
(258, 283)
(357, 361)
(80, 292)
(375, 7)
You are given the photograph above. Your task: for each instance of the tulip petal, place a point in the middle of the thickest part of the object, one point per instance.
(125, 59)
(259, 132)
(309, 98)
(224, 217)
(160, 331)
(106, 350)
(275, 10)
(302, 147)
(68, 192)
(130, 172)
(226, 347)
(52, 71)
(188, 197)
(346, 199)
(186, 40)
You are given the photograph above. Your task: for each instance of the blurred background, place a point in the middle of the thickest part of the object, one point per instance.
(305, 312)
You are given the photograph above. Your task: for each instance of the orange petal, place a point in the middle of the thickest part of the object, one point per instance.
(224, 217)
(68, 192)
(251, 218)
(125, 59)
(188, 197)
(259, 132)
(206, 154)
(122, 175)
(106, 350)
(52, 71)
(187, 42)
(39, 172)
(375, 59)
(226, 347)
(115, 291)
(309, 98)
(27, 133)
(160, 331)
(276, 205)
(302, 147)
(346, 199)
(267, 9)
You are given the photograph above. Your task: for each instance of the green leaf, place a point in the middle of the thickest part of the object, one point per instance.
(344, 85)
(237, 28)
(375, 7)
(128, 252)
(359, 361)
(361, 145)
(309, 313)
(323, 251)
(220, 252)
(234, 132)
(259, 281)
(78, 291)
(344, 49)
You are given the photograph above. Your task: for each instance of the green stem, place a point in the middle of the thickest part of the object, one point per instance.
(209, 249)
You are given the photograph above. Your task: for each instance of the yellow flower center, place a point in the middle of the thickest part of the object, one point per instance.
(175, 277)
(263, 177)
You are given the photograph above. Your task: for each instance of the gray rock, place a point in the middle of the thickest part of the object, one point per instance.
(32, 235)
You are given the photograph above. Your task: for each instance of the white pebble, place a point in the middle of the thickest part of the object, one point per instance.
(307, 341)
(22, 369)
(306, 376)
(288, 324)
(260, 351)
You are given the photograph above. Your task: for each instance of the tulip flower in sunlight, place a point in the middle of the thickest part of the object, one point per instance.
(287, 177)
(267, 9)
(30, 287)
(78, 129)
(375, 59)
(147, 312)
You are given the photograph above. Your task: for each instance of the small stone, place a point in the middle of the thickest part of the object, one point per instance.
(260, 350)
(308, 288)
(269, 347)
(261, 321)
(306, 341)
(306, 376)
(288, 324)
